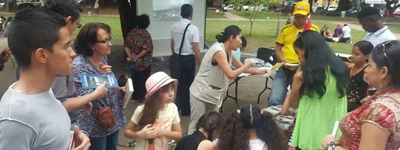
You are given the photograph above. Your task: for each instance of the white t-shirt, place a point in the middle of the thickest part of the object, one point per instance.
(380, 36)
(256, 144)
(192, 36)
(346, 32)
(165, 119)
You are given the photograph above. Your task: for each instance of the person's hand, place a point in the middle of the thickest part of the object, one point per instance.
(149, 132)
(105, 68)
(161, 131)
(87, 109)
(326, 140)
(262, 71)
(283, 61)
(123, 89)
(101, 90)
(82, 140)
(248, 63)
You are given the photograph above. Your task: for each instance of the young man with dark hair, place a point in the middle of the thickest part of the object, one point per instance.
(30, 116)
(190, 55)
(371, 21)
(70, 9)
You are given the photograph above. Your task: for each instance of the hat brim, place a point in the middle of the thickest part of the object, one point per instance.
(169, 80)
(304, 13)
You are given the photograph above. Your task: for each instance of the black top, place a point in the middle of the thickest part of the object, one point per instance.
(358, 90)
(191, 142)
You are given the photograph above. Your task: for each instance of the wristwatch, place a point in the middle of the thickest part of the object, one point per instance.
(333, 144)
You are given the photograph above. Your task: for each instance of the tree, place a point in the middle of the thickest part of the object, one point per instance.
(254, 6)
(127, 14)
(344, 5)
(391, 6)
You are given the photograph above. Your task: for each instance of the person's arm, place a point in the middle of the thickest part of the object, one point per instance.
(295, 91)
(221, 59)
(15, 135)
(76, 103)
(147, 46)
(196, 51)
(278, 53)
(147, 132)
(285, 106)
(372, 137)
(206, 145)
(238, 64)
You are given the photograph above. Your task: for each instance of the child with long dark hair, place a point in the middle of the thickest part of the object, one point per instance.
(319, 90)
(206, 132)
(250, 129)
(359, 87)
(152, 122)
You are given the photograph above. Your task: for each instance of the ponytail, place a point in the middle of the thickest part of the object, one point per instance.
(229, 31)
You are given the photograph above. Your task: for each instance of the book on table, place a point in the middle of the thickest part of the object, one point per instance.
(91, 81)
(128, 93)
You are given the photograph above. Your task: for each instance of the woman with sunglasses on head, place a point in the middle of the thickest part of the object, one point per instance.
(376, 124)
(106, 118)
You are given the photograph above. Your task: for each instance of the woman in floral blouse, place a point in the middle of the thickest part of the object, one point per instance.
(375, 125)
(92, 46)
(139, 48)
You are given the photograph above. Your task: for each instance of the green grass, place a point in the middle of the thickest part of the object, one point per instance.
(284, 16)
(263, 34)
(212, 14)
(113, 22)
(395, 28)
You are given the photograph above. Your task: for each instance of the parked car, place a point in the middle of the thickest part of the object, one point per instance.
(228, 8)
(2, 2)
(332, 8)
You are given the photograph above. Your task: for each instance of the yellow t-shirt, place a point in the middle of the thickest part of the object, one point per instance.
(165, 119)
(287, 37)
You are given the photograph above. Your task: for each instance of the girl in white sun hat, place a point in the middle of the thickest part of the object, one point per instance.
(156, 121)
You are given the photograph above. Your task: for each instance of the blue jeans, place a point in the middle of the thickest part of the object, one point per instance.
(278, 92)
(109, 142)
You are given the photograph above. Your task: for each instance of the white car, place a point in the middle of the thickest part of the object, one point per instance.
(228, 8)
(332, 8)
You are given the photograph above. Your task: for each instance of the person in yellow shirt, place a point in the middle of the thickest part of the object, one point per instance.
(286, 54)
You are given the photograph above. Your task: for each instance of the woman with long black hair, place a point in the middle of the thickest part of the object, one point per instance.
(319, 90)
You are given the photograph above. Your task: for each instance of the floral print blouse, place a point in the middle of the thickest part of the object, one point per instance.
(384, 112)
(113, 98)
(139, 40)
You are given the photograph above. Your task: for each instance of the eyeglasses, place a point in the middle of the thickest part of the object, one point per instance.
(79, 25)
(104, 41)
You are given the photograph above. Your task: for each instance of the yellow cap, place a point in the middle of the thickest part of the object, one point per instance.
(301, 8)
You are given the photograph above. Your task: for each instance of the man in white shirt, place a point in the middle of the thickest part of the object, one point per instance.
(346, 34)
(190, 56)
(371, 21)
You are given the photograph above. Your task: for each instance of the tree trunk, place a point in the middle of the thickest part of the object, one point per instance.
(251, 27)
(127, 13)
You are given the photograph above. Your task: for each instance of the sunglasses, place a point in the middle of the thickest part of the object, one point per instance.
(384, 45)
(79, 25)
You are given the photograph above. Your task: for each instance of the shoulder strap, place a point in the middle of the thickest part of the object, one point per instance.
(183, 38)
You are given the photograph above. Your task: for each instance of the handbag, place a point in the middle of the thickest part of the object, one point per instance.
(176, 61)
(106, 117)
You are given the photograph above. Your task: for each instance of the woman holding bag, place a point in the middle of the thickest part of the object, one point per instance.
(212, 80)
(92, 46)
